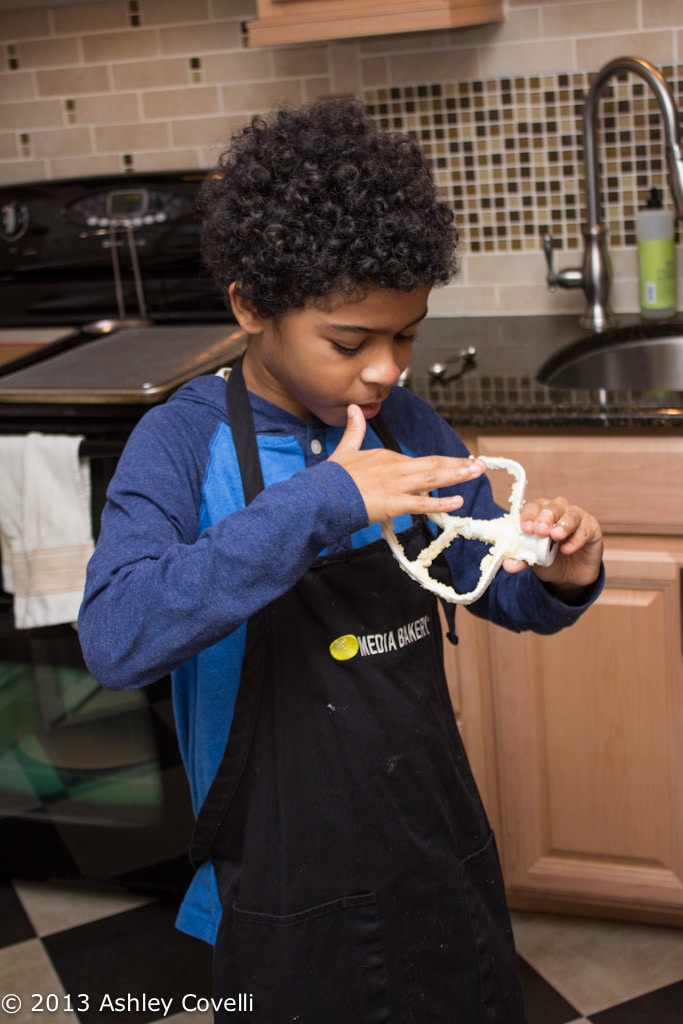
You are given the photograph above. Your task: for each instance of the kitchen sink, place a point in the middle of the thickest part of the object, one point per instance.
(637, 357)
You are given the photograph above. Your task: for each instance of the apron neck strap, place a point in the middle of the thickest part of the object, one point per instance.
(242, 425)
(382, 431)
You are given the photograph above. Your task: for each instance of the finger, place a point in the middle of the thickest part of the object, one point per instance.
(430, 472)
(572, 538)
(354, 433)
(550, 517)
(514, 565)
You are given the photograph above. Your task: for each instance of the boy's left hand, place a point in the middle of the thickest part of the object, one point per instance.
(579, 537)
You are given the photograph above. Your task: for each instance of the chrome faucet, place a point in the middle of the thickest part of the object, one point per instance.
(595, 274)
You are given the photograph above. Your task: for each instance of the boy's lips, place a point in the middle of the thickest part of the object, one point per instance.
(370, 409)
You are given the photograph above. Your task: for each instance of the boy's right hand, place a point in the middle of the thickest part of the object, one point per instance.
(392, 484)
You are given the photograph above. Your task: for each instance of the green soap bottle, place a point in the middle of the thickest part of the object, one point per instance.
(656, 259)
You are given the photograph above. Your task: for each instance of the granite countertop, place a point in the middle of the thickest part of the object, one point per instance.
(500, 387)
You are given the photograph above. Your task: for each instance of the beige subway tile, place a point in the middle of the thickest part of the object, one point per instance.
(261, 96)
(587, 19)
(662, 13)
(32, 114)
(46, 144)
(506, 267)
(624, 262)
(16, 85)
(526, 58)
(16, 25)
(344, 68)
(320, 88)
(409, 68)
(409, 42)
(150, 74)
(535, 299)
(202, 131)
(374, 72)
(213, 145)
(475, 36)
(247, 66)
(179, 103)
(45, 53)
(462, 299)
(299, 60)
(107, 109)
(9, 145)
(126, 138)
(131, 44)
(242, 10)
(173, 12)
(73, 81)
(177, 159)
(518, 26)
(22, 171)
(625, 295)
(591, 54)
(196, 40)
(444, 300)
(99, 17)
(84, 166)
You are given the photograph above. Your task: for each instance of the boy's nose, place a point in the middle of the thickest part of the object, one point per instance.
(382, 369)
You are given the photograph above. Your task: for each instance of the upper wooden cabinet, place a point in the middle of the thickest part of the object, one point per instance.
(302, 21)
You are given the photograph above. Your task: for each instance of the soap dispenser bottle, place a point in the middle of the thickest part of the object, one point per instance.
(656, 259)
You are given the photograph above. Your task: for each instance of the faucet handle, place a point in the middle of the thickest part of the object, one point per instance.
(548, 250)
(569, 277)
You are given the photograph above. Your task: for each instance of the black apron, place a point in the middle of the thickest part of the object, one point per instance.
(357, 872)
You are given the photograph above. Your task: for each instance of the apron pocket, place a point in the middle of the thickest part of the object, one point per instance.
(325, 963)
(501, 994)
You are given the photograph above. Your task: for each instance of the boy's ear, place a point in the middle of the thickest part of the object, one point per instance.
(244, 312)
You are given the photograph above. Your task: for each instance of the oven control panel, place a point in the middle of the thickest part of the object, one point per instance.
(127, 208)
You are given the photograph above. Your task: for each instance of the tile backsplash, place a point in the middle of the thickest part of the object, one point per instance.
(137, 85)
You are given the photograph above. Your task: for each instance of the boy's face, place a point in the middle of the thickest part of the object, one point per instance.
(328, 355)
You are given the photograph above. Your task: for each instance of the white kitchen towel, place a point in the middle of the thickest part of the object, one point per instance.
(45, 526)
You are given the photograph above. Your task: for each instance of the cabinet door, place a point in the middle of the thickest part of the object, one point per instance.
(590, 743)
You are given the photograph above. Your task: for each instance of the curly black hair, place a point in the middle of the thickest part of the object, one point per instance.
(316, 200)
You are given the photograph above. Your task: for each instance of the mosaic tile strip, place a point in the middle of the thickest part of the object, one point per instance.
(508, 153)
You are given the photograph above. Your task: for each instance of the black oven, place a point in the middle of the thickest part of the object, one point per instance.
(104, 311)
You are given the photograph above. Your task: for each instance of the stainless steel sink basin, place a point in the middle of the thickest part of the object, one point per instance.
(638, 357)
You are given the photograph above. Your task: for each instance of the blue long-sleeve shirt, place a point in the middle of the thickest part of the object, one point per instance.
(181, 564)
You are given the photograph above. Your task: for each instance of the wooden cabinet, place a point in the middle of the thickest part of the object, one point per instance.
(300, 21)
(577, 739)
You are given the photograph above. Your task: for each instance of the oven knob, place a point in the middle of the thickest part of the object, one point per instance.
(13, 221)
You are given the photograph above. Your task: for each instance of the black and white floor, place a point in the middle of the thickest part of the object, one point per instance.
(71, 955)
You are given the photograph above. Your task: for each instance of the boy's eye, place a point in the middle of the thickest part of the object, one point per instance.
(345, 350)
(352, 350)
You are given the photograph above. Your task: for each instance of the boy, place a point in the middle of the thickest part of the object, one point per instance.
(347, 872)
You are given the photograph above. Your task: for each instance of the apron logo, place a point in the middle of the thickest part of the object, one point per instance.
(344, 647)
(348, 646)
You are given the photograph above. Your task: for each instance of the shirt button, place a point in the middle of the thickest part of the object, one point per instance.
(316, 446)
